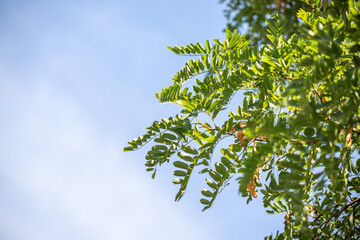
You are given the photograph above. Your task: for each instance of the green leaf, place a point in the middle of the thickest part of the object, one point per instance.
(206, 193)
(208, 46)
(182, 165)
(214, 175)
(168, 136)
(220, 168)
(235, 148)
(205, 201)
(163, 140)
(205, 60)
(185, 156)
(159, 147)
(226, 162)
(271, 61)
(187, 105)
(210, 183)
(229, 154)
(189, 149)
(179, 173)
(127, 149)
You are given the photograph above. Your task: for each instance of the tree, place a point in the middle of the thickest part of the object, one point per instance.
(295, 135)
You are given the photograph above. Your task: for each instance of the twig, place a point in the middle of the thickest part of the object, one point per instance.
(321, 98)
(353, 203)
(285, 77)
(207, 127)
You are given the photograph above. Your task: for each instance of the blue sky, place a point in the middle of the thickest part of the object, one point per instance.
(77, 81)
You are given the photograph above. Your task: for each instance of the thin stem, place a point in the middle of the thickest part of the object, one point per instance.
(203, 125)
(281, 74)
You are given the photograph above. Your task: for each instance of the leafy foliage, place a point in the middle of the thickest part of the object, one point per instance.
(298, 124)
(252, 15)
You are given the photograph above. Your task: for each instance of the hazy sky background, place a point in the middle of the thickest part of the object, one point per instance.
(77, 81)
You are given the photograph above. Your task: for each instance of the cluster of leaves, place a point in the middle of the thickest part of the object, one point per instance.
(298, 123)
(252, 15)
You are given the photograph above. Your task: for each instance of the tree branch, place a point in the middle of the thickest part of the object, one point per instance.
(353, 203)
(285, 77)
